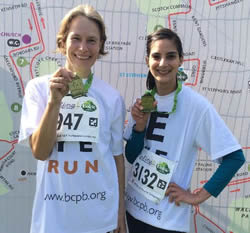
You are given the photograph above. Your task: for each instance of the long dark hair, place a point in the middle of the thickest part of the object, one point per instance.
(163, 33)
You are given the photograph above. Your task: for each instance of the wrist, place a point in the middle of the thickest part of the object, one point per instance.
(139, 129)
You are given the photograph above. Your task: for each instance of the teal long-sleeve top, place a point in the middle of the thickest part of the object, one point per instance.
(230, 164)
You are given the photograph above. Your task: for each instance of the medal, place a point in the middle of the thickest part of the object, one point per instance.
(77, 88)
(147, 101)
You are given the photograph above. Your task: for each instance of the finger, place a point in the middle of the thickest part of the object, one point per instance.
(136, 112)
(177, 203)
(171, 198)
(138, 106)
(138, 101)
(63, 72)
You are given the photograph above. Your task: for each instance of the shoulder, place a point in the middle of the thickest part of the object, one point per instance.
(105, 90)
(38, 87)
(190, 96)
(38, 82)
(106, 87)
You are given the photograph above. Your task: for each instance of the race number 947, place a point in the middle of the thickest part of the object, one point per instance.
(144, 175)
(71, 121)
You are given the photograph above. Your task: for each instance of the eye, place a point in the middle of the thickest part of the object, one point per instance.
(75, 38)
(92, 41)
(156, 56)
(171, 56)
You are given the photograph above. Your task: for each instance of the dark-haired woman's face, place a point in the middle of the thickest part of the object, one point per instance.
(163, 62)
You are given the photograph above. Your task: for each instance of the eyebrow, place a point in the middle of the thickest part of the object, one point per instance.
(90, 36)
(172, 53)
(169, 53)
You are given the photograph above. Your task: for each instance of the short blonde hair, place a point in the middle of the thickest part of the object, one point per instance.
(82, 10)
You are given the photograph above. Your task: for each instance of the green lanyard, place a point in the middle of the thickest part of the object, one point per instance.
(88, 83)
(77, 88)
(179, 87)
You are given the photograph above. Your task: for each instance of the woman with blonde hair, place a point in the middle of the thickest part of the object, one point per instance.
(73, 122)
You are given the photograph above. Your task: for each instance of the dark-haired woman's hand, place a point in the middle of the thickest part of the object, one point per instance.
(177, 195)
(140, 117)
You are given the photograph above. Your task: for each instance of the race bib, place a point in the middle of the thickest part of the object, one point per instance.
(150, 175)
(78, 120)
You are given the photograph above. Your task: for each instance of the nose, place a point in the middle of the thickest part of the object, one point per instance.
(163, 62)
(83, 46)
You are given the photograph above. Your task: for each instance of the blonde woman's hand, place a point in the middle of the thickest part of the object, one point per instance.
(59, 84)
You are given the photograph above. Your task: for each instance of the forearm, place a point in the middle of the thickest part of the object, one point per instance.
(121, 225)
(134, 145)
(119, 160)
(44, 137)
(231, 163)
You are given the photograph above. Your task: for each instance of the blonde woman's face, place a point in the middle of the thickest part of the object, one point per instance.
(82, 45)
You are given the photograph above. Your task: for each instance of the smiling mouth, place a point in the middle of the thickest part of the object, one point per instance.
(164, 72)
(82, 57)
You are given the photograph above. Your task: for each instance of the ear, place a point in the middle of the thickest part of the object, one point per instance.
(181, 61)
(63, 48)
(147, 61)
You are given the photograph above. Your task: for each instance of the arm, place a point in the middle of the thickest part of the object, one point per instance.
(134, 145)
(119, 160)
(44, 137)
(231, 163)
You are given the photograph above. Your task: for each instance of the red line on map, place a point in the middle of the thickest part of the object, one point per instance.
(30, 25)
(39, 41)
(43, 22)
(179, 13)
(39, 36)
(240, 181)
(215, 3)
(234, 191)
(234, 182)
(11, 149)
(197, 72)
(197, 211)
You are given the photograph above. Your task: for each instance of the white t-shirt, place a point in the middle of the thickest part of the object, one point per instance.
(77, 186)
(194, 125)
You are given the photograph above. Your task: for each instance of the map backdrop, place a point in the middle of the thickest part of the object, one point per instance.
(215, 35)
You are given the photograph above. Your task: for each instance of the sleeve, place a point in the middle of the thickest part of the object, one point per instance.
(134, 145)
(118, 118)
(32, 109)
(213, 136)
(231, 163)
(128, 128)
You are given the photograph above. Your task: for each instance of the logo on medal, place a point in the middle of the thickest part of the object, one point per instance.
(88, 106)
(163, 168)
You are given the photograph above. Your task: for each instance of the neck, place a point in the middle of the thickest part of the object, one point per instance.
(81, 73)
(165, 89)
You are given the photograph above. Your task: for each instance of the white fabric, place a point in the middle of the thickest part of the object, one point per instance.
(194, 125)
(89, 196)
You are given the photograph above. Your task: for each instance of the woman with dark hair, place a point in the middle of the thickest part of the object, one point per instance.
(162, 145)
(73, 122)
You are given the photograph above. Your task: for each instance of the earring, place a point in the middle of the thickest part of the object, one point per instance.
(181, 75)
